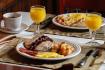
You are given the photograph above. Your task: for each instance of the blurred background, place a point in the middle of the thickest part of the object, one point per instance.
(54, 6)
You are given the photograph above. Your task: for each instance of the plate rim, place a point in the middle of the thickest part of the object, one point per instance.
(77, 46)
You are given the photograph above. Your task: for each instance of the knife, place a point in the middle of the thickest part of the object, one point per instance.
(92, 58)
(6, 38)
(94, 55)
(46, 23)
(43, 25)
(83, 60)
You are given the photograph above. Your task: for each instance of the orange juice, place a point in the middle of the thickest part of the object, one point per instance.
(93, 21)
(38, 14)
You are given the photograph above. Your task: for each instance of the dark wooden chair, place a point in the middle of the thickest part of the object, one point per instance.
(81, 5)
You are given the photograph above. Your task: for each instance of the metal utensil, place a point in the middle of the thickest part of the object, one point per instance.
(94, 55)
(7, 37)
(91, 58)
(44, 24)
(83, 60)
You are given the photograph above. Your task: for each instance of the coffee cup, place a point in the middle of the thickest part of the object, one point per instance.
(12, 21)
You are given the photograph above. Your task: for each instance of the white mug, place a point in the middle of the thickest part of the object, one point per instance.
(12, 21)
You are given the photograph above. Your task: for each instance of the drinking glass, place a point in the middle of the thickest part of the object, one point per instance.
(38, 14)
(93, 22)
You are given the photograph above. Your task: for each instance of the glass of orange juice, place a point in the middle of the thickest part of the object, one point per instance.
(38, 14)
(93, 22)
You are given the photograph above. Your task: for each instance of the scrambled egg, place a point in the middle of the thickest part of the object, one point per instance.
(71, 19)
(49, 55)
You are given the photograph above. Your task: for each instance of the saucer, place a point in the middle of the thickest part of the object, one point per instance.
(3, 29)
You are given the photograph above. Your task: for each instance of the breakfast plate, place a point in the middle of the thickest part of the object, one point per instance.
(72, 21)
(77, 50)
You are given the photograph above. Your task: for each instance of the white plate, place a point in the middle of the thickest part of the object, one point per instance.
(75, 53)
(23, 27)
(71, 27)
